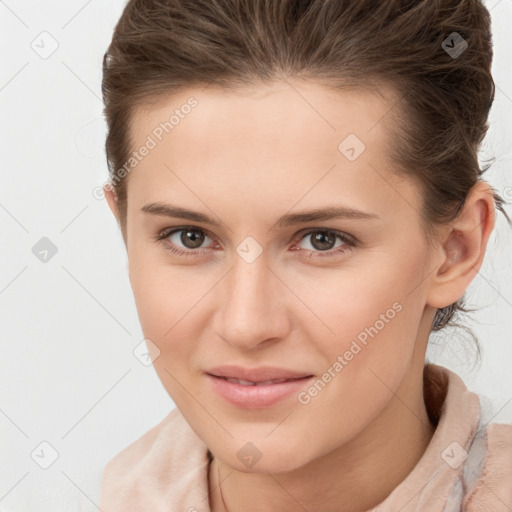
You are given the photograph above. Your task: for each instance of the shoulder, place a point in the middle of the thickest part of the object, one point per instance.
(166, 464)
(491, 480)
(482, 480)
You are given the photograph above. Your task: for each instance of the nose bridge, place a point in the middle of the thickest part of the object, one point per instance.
(249, 310)
(249, 287)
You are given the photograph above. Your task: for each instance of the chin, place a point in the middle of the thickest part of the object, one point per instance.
(262, 455)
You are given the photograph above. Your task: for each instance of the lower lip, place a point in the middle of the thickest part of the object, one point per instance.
(257, 397)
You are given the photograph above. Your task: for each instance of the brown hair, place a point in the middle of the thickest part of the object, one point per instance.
(418, 47)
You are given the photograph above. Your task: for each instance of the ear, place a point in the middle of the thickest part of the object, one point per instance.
(111, 197)
(462, 247)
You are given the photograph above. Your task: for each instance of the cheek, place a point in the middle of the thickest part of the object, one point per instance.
(169, 301)
(160, 299)
(160, 290)
(166, 316)
(379, 303)
(367, 358)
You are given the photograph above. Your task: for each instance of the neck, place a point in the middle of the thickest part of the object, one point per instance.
(354, 477)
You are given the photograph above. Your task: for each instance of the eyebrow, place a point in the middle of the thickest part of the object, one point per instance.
(289, 219)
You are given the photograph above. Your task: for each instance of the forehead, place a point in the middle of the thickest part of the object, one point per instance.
(292, 109)
(296, 140)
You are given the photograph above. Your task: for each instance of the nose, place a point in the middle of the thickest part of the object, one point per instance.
(252, 308)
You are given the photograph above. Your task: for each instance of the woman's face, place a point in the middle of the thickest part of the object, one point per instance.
(300, 263)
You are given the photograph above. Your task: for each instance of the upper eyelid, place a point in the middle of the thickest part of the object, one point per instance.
(170, 231)
(308, 231)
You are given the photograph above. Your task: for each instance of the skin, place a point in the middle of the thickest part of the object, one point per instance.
(247, 157)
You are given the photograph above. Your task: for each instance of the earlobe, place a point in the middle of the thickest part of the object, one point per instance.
(463, 249)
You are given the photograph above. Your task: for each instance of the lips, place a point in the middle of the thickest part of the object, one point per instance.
(256, 388)
(260, 374)
(243, 382)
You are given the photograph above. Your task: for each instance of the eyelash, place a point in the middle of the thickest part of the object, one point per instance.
(349, 241)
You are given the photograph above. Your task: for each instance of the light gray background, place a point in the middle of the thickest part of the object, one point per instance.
(69, 326)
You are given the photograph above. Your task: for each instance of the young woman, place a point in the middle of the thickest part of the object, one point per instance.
(299, 193)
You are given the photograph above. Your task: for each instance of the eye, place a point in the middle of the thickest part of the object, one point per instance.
(187, 241)
(323, 242)
(189, 237)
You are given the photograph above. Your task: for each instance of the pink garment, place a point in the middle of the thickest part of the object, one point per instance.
(466, 467)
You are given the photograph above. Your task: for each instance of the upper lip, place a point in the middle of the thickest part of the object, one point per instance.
(259, 374)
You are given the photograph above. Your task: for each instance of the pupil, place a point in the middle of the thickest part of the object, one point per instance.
(323, 240)
(192, 239)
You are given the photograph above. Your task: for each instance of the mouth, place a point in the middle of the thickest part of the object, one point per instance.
(252, 383)
(257, 388)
